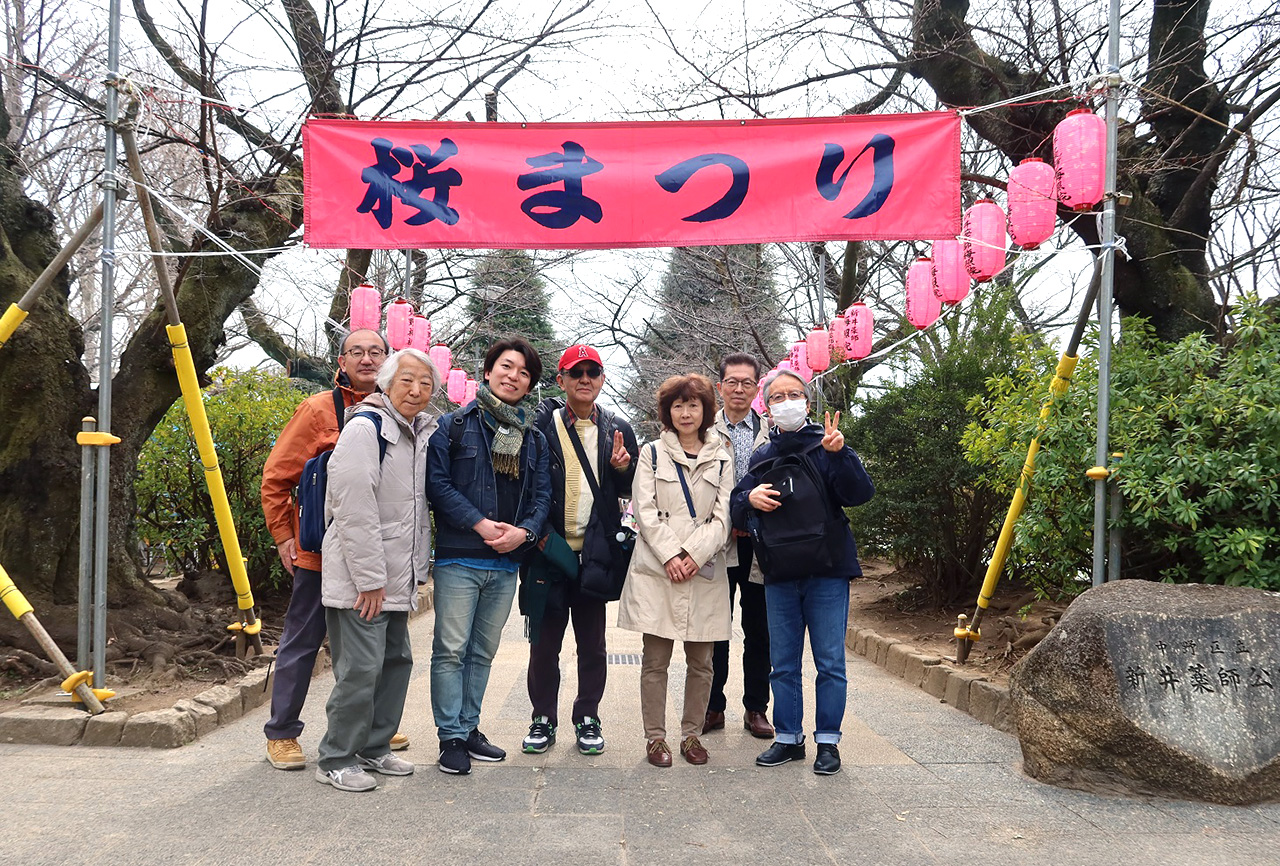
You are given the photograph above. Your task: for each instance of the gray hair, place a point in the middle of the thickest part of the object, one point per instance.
(391, 366)
(773, 377)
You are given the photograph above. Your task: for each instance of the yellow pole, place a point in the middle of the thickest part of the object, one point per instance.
(966, 635)
(9, 322)
(76, 682)
(194, 401)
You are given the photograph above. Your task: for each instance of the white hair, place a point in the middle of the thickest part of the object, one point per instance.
(770, 379)
(391, 366)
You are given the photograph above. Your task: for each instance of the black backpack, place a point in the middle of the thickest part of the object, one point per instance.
(803, 536)
(315, 480)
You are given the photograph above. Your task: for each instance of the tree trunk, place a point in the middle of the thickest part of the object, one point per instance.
(45, 388)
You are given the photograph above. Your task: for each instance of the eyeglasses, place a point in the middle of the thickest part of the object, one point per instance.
(357, 354)
(782, 396)
(592, 370)
(735, 384)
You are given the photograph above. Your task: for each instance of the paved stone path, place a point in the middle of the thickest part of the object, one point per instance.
(922, 784)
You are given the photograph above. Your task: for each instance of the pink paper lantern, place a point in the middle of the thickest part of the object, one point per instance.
(801, 364)
(758, 403)
(366, 308)
(472, 385)
(839, 330)
(984, 240)
(1079, 155)
(398, 313)
(457, 385)
(441, 357)
(783, 365)
(950, 279)
(923, 306)
(859, 334)
(419, 333)
(1033, 207)
(818, 349)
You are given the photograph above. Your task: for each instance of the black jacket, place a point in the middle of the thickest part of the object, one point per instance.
(614, 484)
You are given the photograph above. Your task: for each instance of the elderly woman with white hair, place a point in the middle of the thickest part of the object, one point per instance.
(791, 502)
(375, 553)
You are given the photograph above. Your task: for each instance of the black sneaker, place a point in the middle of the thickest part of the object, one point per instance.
(828, 761)
(780, 753)
(479, 747)
(541, 736)
(453, 757)
(590, 740)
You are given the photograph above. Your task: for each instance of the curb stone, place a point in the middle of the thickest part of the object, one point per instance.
(183, 723)
(966, 690)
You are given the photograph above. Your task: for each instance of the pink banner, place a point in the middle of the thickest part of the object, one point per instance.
(417, 185)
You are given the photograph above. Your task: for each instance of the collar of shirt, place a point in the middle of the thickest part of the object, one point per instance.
(744, 423)
(570, 417)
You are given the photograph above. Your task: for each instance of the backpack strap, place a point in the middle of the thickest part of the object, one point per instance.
(338, 408)
(455, 433)
(653, 452)
(377, 426)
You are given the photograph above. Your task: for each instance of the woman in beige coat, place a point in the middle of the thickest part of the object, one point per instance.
(677, 586)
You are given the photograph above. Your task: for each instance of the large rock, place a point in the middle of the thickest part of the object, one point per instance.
(1159, 689)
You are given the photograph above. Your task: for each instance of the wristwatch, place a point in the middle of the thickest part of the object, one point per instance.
(530, 536)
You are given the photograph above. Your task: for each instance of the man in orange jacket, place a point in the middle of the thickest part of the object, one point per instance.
(312, 430)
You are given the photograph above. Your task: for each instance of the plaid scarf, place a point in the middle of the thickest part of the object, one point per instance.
(508, 424)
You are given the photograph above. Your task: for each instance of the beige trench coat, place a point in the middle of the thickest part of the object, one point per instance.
(695, 609)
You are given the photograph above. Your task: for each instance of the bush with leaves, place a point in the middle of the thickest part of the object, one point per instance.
(933, 512)
(246, 410)
(1199, 426)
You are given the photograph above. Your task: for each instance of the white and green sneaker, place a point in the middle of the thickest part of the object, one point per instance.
(541, 736)
(590, 740)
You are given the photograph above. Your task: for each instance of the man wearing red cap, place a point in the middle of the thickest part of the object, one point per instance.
(592, 461)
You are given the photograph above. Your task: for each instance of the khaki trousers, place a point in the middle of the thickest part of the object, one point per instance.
(653, 686)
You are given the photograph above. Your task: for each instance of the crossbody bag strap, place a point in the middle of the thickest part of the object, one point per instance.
(684, 485)
(582, 458)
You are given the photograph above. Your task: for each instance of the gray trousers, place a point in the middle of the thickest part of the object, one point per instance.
(372, 661)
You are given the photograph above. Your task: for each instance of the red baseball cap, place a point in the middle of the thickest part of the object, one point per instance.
(577, 354)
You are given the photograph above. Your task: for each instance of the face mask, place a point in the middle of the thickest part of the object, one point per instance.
(789, 415)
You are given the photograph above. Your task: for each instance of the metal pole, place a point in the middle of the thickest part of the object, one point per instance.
(1113, 534)
(822, 311)
(1105, 301)
(408, 274)
(103, 492)
(84, 632)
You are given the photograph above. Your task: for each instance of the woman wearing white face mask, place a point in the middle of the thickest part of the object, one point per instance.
(790, 502)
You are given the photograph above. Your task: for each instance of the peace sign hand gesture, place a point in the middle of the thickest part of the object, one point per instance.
(620, 458)
(832, 438)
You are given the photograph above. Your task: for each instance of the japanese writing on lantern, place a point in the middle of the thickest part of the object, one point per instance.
(1220, 668)
(417, 177)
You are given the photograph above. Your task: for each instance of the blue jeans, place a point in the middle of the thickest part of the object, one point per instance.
(820, 604)
(472, 606)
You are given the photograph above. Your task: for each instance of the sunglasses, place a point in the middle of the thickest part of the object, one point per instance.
(591, 370)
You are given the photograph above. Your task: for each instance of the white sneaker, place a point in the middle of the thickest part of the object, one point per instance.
(347, 779)
(387, 765)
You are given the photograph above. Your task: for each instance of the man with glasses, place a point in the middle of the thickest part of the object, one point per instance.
(592, 461)
(742, 431)
(311, 431)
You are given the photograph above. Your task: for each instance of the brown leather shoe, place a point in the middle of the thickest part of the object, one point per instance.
(714, 722)
(758, 724)
(659, 753)
(693, 751)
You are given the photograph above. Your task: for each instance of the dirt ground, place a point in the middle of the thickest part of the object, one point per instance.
(1015, 621)
(173, 654)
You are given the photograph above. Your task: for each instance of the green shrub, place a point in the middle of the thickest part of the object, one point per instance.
(933, 511)
(246, 410)
(1199, 426)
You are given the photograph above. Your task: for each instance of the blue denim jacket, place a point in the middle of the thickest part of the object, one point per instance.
(461, 485)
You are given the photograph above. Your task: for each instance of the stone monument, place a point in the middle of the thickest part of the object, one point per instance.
(1157, 688)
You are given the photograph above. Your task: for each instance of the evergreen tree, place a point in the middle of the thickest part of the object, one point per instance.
(713, 301)
(509, 300)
